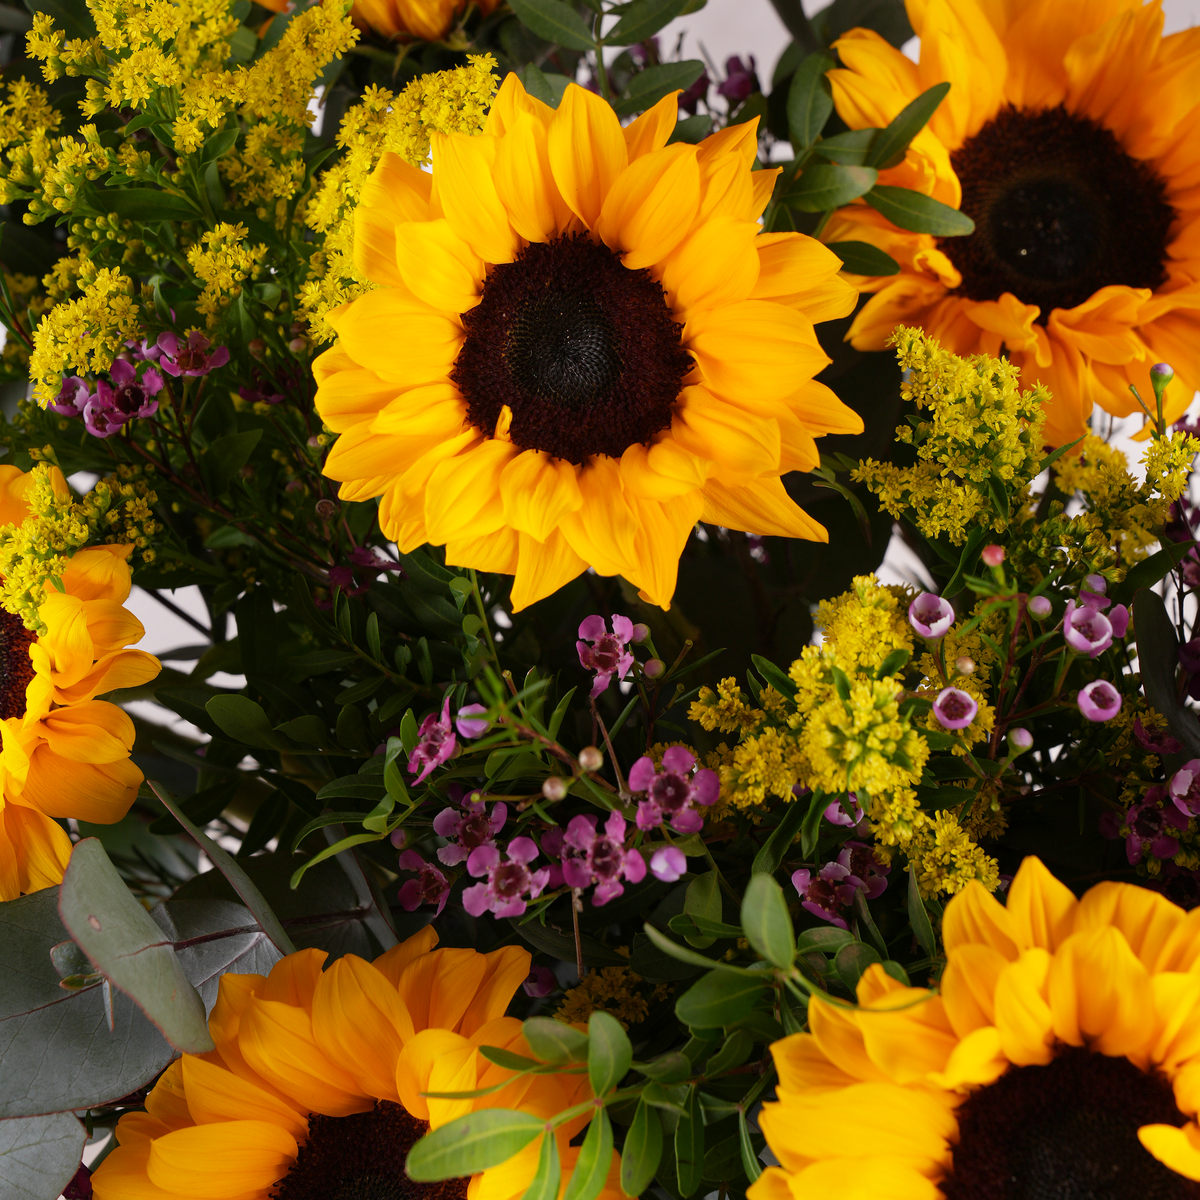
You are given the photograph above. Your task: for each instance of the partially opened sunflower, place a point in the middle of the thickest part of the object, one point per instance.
(314, 1089)
(1061, 1058)
(63, 753)
(1069, 135)
(579, 346)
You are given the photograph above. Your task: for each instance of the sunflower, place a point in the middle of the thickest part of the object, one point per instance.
(1070, 137)
(314, 1090)
(579, 346)
(63, 753)
(1061, 1057)
(428, 19)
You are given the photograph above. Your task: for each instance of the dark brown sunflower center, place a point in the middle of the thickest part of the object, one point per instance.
(361, 1157)
(1060, 211)
(1066, 1131)
(16, 667)
(584, 352)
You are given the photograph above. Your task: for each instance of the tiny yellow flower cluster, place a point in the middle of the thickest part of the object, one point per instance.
(222, 263)
(613, 990)
(946, 859)
(981, 440)
(455, 101)
(119, 511)
(1169, 462)
(83, 334)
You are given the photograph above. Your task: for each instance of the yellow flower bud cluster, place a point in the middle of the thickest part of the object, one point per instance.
(945, 858)
(222, 263)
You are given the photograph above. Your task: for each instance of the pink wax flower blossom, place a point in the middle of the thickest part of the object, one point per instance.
(130, 396)
(1119, 620)
(540, 982)
(190, 358)
(837, 813)
(1099, 701)
(1039, 607)
(740, 79)
(429, 887)
(1087, 630)
(827, 894)
(100, 418)
(930, 616)
(867, 872)
(992, 556)
(954, 708)
(672, 791)
(590, 856)
(1185, 788)
(1156, 743)
(469, 828)
(435, 744)
(468, 723)
(608, 655)
(1153, 825)
(71, 398)
(509, 880)
(668, 864)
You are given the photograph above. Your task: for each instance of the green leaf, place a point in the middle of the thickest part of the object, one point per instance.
(471, 1144)
(39, 1155)
(919, 213)
(668, 1068)
(245, 722)
(861, 258)
(851, 961)
(810, 830)
(507, 1059)
(703, 899)
(766, 921)
(546, 1180)
(689, 1145)
(775, 848)
(891, 143)
(643, 19)
(772, 674)
(226, 456)
(242, 44)
(850, 148)
(121, 938)
(683, 954)
(647, 87)
(1158, 658)
(918, 918)
(827, 186)
(147, 204)
(241, 883)
(691, 129)
(685, 923)
(751, 1163)
(555, 22)
(609, 1052)
(595, 1157)
(736, 1050)
(719, 998)
(810, 100)
(825, 939)
(866, 923)
(71, 16)
(554, 1042)
(1149, 571)
(642, 1151)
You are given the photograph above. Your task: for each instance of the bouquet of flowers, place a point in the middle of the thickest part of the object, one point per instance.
(582, 781)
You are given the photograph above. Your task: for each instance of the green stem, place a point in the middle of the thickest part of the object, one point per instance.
(487, 625)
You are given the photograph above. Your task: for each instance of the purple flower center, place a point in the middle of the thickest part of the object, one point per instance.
(509, 881)
(1104, 696)
(1148, 823)
(606, 653)
(1090, 628)
(605, 858)
(434, 738)
(432, 885)
(927, 609)
(130, 398)
(821, 893)
(670, 791)
(862, 861)
(954, 707)
(475, 830)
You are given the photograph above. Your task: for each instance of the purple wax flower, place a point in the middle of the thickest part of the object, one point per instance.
(100, 418)
(129, 395)
(1156, 743)
(672, 791)
(540, 981)
(467, 721)
(668, 864)
(1040, 607)
(837, 813)
(436, 743)
(1099, 701)
(740, 80)
(1185, 788)
(827, 894)
(608, 655)
(930, 616)
(71, 398)
(866, 870)
(954, 708)
(1189, 656)
(509, 880)
(470, 829)
(1087, 630)
(1153, 824)
(992, 556)
(1119, 620)
(429, 887)
(690, 99)
(190, 358)
(590, 856)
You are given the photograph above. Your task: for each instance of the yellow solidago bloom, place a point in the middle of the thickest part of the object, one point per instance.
(1060, 1057)
(580, 345)
(946, 859)
(1068, 137)
(314, 1090)
(63, 753)
(428, 19)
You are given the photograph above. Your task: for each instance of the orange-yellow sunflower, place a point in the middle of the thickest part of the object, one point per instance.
(428, 19)
(314, 1089)
(63, 753)
(1061, 1058)
(579, 346)
(1071, 136)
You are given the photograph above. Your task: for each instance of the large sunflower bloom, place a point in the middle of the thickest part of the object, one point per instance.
(1071, 136)
(428, 19)
(580, 345)
(314, 1089)
(63, 753)
(1061, 1057)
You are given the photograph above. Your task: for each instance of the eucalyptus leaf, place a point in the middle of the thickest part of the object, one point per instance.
(554, 1042)
(861, 258)
(39, 1155)
(548, 1176)
(825, 186)
(892, 142)
(775, 848)
(851, 961)
(918, 918)
(689, 1144)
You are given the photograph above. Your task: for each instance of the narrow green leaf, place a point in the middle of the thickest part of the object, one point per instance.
(850, 148)
(595, 1157)
(647, 87)
(683, 954)
(825, 939)
(918, 918)
(866, 923)
(686, 923)
(773, 675)
(609, 1052)
(736, 1050)
(689, 1144)
(642, 1151)
(555, 22)
(766, 921)
(893, 141)
(643, 19)
(810, 100)
(1158, 658)
(507, 1059)
(332, 851)
(472, 1143)
(671, 1067)
(554, 1042)
(861, 258)
(919, 213)
(245, 722)
(810, 830)
(546, 1180)
(827, 185)
(719, 998)
(775, 848)
(1151, 570)
(751, 1163)
(226, 456)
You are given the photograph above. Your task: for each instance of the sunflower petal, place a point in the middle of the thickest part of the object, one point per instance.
(587, 152)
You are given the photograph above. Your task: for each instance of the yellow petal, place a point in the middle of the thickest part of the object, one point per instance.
(969, 986)
(839, 1037)
(664, 527)
(346, 392)
(651, 205)
(1041, 908)
(99, 792)
(399, 337)
(99, 573)
(1178, 1149)
(438, 266)
(976, 1060)
(392, 962)
(713, 266)
(463, 168)
(537, 491)
(865, 1179)
(652, 129)
(604, 529)
(438, 988)
(436, 410)
(711, 429)
(1147, 919)
(587, 152)
(525, 183)
(975, 916)
(663, 470)
(504, 971)
(225, 1159)
(542, 568)
(1023, 1013)
(436, 1060)
(791, 263)
(761, 507)
(906, 301)
(495, 552)
(214, 1093)
(512, 100)
(462, 496)
(801, 1065)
